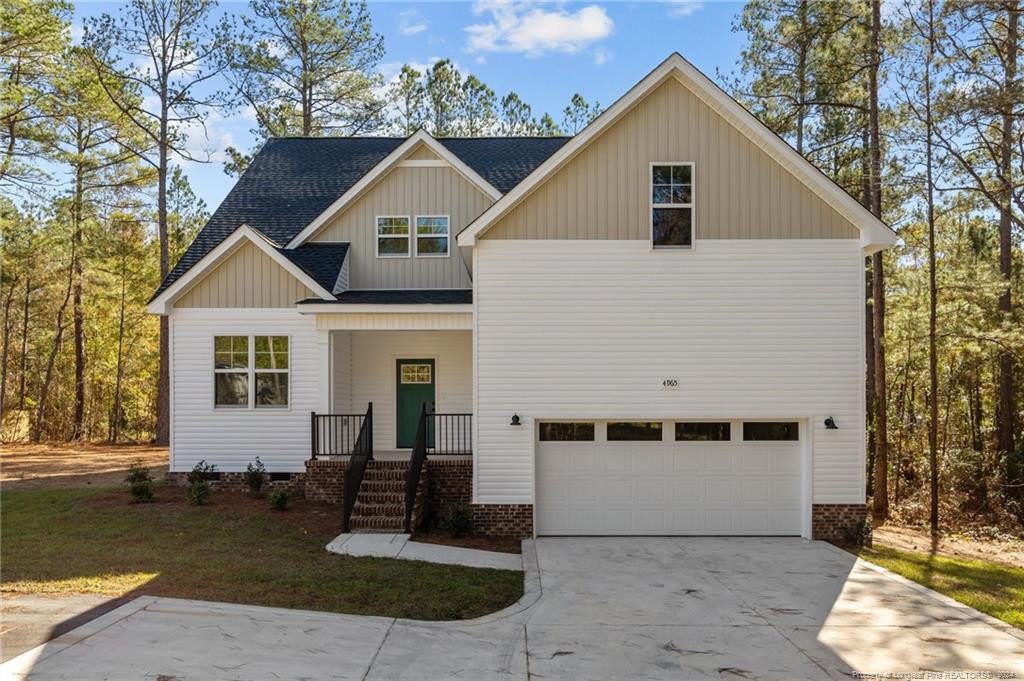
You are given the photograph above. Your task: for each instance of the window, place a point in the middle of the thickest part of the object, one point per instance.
(416, 373)
(566, 431)
(432, 236)
(770, 430)
(634, 431)
(393, 236)
(241, 362)
(672, 205)
(711, 431)
(231, 371)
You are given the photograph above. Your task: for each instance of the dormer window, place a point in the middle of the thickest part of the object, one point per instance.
(393, 236)
(672, 205)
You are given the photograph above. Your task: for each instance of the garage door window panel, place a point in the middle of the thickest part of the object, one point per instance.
(634, 431)
(709, 431)
(771, 431)
(566, 431)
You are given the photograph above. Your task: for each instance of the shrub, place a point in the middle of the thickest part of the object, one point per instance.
(140, 482)
(279, 499)
(198, 483)
(858, 535)
(458, 521)
(255, 474)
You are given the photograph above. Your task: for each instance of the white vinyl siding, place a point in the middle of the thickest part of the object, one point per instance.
(373, 357)
(231, 438)
(751, 329)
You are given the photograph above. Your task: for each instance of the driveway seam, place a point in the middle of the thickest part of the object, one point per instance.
(762, 617)
(376, 653)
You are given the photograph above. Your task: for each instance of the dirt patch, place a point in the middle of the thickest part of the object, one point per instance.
(1006, 552)
(500, 544)
(74, 464)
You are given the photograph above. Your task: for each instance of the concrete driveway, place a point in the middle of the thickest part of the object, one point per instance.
(630, 608)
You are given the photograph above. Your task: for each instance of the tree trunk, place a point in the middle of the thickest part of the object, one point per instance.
(23, 369)
(7, 346)
(933, 360)
(115, 418)
(77, 431)
(163, 391)
(880, 507)
(869, 330)
(1006, 409)
(58, 339)
(801, 77)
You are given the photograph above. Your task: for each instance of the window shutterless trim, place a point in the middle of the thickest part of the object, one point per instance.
(651, 205)
(377, 236)
(447, 236)
(250, 373)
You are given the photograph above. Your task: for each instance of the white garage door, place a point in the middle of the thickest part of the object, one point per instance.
(712, 478)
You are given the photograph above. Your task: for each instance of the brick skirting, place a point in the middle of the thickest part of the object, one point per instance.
(839, 523)
(325, 480)
(451, 483)
(235, 482)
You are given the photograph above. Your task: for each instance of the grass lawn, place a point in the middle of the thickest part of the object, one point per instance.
(995, 589)
(235, 549)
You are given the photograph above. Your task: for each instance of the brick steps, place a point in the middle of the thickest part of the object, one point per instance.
(380, 506)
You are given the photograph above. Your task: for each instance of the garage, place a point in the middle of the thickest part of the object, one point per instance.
(669, 477)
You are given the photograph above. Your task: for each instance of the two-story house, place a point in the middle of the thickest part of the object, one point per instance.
(652, 327)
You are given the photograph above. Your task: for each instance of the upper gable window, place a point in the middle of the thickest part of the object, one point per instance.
(432, 236)
(393, 236)
(672, 205)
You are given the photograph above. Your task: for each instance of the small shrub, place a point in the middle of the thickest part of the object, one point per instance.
(279, 499)
(140, 482)
(198, 483)
(255, 475)
(458, 521)
(858, 535)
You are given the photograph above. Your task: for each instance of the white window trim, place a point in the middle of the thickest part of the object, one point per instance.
(377, 236)
(447, 236)
(651, 205)
(250, 373)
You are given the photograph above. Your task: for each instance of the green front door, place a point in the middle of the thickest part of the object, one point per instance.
(415, 388)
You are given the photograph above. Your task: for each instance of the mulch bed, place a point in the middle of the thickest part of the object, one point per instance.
(500, 544)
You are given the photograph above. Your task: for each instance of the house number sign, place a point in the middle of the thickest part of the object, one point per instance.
(670, 383)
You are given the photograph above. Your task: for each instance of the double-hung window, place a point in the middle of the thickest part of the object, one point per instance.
(393, 236)
(432, 236)
(250, 371)
(672, 205)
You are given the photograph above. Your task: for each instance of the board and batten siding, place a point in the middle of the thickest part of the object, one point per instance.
(408, 191)
(372, 358)
(227, 437)
(248, 277)
(604, 191)
(590, 329)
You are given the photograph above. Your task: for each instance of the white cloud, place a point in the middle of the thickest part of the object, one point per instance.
(684, 8)
(602, 55)
(410, 22)
(533, 30)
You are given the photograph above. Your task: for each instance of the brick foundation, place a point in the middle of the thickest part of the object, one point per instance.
(325, 480)
(235, 482)
(451, 483)
(838, 523)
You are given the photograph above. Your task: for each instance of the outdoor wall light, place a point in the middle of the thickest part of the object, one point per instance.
(830, 424)
(515, 420)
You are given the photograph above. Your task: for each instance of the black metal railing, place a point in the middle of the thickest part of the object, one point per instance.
(362, 453)
(335, 434)
(449, 434)
(416, 460)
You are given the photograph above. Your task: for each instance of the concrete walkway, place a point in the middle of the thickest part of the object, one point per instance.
(594, 609)
(402, 547)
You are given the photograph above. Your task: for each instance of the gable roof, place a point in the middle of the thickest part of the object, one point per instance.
(319, 260)
(292, 180)
(163, 300)
(875, 234)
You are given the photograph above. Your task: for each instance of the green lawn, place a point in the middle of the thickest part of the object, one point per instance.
(995, 589)
(234, 550)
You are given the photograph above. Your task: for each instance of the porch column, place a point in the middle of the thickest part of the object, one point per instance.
(323, 361)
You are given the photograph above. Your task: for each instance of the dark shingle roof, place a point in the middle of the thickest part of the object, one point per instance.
(397, 296)
(294, 179)
(322, 261)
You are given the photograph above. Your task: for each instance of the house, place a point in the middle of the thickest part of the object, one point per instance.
(653, 327)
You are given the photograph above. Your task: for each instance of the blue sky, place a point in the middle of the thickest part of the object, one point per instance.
(545, 52)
